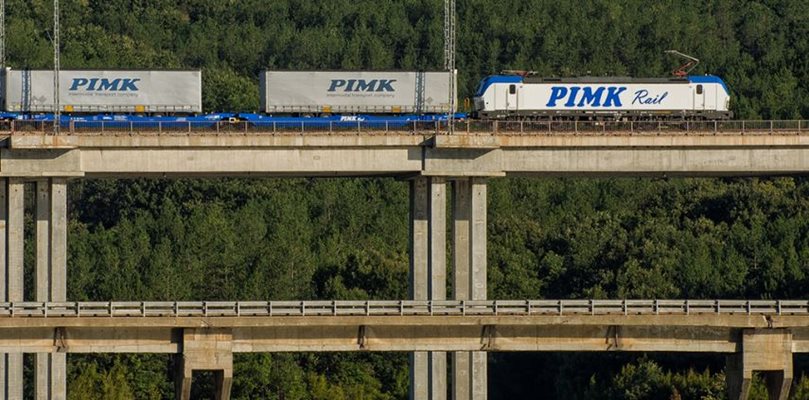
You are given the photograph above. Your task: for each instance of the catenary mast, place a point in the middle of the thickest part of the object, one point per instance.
(2, 34)
(449, 58)
(56, 66)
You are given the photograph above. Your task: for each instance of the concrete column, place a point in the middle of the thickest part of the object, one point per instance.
(51, 249)
(469, 279)
(765, 350)
(428, 278)
(13, 211)
(4, 274)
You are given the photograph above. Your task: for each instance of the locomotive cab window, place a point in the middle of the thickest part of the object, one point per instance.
(699, 89)
(512, 89)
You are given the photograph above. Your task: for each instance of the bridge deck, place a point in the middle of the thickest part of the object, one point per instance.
(537, 325)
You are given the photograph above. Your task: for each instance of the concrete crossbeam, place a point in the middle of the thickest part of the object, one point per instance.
(205, 350)
(768, 351)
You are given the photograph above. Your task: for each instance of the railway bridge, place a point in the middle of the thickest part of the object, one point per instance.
(430, 160)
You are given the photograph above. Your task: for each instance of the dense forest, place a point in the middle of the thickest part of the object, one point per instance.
(256, 239)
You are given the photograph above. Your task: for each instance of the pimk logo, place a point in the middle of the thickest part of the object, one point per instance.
(605, 96)
(105, 85)
(585, 96)
(362, 85)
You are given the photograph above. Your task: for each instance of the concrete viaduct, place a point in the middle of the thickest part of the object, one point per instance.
(430, 162)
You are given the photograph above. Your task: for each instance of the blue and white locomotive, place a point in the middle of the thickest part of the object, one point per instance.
(602, 98)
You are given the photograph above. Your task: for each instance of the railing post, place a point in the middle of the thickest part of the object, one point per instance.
(576, 126)
(189, 127)
(359, 127)
(273, 126)
(386, 126)
(217, 127)
(632, 126)
(771, 127)
(302, 128)
(522, 130)
(159, 127)
(742, 127)
(715, 127)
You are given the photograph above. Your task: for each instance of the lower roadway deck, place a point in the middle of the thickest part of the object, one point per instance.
(541, 325)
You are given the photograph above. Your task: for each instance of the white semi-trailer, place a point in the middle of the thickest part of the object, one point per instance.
(103, 91)
(352, 92)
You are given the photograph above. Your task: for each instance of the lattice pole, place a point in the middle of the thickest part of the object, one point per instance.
(449, 59)
(2, 34)
(57, 112)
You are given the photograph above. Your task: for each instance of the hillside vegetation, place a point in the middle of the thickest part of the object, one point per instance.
(758, 47)
(239, 239)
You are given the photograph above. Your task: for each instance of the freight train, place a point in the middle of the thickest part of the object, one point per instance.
(328, 96)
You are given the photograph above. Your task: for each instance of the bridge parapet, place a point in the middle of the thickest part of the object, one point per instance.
(383, 127)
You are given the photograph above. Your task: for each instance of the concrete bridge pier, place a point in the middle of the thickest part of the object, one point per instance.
(51, 278)
(428, 277)
(51, 281)
(768, 351)
(207, 349)
(12, 202)
(469, 369)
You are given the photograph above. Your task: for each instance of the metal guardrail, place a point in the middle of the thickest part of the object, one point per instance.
(171, 128)
(403, 308)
